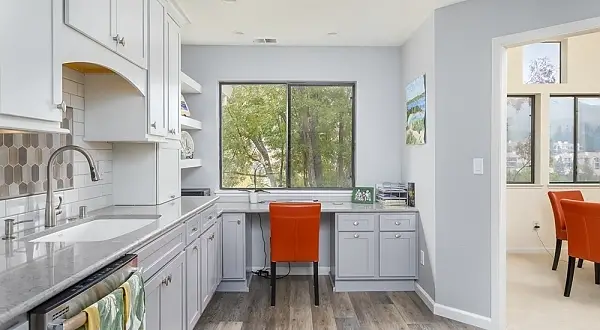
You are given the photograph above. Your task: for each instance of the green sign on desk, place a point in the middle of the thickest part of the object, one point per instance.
(363, 195)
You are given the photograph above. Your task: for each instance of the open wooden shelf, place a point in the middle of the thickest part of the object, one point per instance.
(190, 163)
(188, 123)
(189, 85)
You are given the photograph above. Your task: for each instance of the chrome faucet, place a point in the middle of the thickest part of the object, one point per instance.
(50, 214)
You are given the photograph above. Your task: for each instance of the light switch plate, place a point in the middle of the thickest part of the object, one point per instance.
(422, 257)
(478, 166)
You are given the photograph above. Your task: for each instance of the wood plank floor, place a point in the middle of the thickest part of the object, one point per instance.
(295, 309)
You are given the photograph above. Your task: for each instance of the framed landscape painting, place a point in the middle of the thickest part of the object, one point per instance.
(416, 111)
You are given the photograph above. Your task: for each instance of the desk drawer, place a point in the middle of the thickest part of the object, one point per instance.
(192, 229)
(208, 217)
(397, 222)
(356, 222)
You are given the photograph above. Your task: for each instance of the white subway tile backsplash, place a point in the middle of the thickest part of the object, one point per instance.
(78, 115)
(78, 129)
(69, 86)
(67, 99)
(17, 206)
(73, 75)
(2, 209)
(71, 196)
(80, 90)
(77, 102)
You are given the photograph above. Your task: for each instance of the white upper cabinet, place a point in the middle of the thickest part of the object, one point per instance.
(120, 25)
(132, 30)
(174, 67)
(27, 71)
(95, 19)
(157, 87)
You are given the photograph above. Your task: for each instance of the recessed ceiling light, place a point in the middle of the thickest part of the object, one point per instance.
(229, 1)
(332, 33)
(239, 33)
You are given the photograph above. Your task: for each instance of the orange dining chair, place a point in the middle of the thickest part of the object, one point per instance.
(559, 220)
(583, 227)
(295, 238)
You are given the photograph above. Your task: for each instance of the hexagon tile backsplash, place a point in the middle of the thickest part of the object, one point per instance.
(24, 157)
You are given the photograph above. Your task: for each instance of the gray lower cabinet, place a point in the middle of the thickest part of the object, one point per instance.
(233, 247)
(165, 301)
(397, 254)
(208, 254)
(194, 283)
(356, 254)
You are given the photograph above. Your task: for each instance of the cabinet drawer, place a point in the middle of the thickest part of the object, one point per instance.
(155, 255)
(192, 229)
(208, 217)
(397, 222)
(356, 222)
(397, 254)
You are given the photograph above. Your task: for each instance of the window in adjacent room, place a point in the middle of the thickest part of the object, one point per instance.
(542, 63)
(287, 135)
(574, 139)
(520, 139)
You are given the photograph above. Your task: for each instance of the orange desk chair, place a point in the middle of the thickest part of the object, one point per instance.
(295, 238)
(583, 227)
(559, 220)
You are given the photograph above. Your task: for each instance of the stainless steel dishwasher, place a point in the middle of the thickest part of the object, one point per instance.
(62, 311)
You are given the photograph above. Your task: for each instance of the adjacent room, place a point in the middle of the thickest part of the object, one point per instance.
(553, 135)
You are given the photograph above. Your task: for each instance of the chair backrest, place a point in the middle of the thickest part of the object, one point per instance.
(295, 231)
(559, 218)
(583, 228)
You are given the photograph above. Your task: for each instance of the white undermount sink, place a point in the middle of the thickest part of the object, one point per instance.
(95, 231)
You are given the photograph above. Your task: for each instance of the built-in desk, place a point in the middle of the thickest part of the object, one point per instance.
(362, 247)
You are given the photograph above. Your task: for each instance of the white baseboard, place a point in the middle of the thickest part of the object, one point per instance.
(536, 250)
(425, 297)
(296, 270)
(463, 316)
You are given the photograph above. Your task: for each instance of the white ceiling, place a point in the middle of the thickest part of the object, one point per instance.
(305, 22)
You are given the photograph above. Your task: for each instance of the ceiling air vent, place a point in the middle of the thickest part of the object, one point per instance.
(265, 41)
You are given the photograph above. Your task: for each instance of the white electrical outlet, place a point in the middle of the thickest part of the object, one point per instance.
(422, 258)
(536, 226)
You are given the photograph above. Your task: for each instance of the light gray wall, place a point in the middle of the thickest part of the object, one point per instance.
(376, 70)
(463, 34)
(418, 162)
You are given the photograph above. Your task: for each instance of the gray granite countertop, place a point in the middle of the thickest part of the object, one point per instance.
(326, 207)
(31, 273)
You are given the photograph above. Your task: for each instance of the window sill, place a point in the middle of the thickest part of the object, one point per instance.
(524, 185)
(321, 195)
(594, 185)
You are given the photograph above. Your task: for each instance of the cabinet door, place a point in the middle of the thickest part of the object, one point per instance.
(169, 183)
(194, 284)
(153, 305)
(95, 19)
(204, 269)
(233, 246)
(173, 69)
(212, 260)
(397, 254)
(356, 254)
(173, 300)
(26, 61)
(131, 28)
(219, 250)
(157, 120)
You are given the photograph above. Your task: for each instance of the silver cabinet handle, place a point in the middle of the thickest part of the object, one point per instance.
(355, 223)
(172, 131)
(122, 41)
(398, 236)
(210, 217)
(153, 125)
(239, 222)
(170, 278)
(62, 106)
(356, 235)
(397, 223)
(165, 281)
(195, 248)
(116, 38)
(172, 196)
(194, 229)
